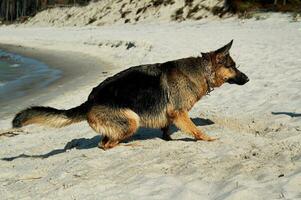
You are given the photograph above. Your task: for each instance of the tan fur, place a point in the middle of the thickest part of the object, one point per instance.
(150, 121)
(106, 143)
(179, 78)
(222, 75)
(133, 120)
(183, 122)
(114, 124)
(49, 120)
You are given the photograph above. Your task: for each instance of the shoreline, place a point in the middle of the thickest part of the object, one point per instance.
(23, 75)
(78, 70)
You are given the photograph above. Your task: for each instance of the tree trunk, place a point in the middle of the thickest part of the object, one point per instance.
(23, 8)
(11, 10)
(17, 10)
(7, 11)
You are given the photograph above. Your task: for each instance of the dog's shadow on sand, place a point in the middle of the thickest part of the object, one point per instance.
(149, 133)
(291, 114)
(84, 143)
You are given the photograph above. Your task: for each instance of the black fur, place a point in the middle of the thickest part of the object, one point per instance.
(138, 88)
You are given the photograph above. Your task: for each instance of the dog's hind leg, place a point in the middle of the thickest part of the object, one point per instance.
(108, 143)
(115, 124)
(183, 122)
(165, 135)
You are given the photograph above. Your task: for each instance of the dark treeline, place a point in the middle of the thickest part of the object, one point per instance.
(11, 10)
(268, 5)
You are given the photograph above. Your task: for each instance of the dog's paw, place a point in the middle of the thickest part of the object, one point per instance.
(206, 138)
(211, 139)
(166, 137)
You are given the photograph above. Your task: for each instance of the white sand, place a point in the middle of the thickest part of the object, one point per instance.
(255, 146)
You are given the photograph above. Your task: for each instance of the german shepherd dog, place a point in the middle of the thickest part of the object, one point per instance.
(153, 95)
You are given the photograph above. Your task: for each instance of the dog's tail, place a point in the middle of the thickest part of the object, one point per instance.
(51, 116)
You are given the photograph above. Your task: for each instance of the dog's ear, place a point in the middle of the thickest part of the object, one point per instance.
(223, 52)
(225, 49)
(205, 55)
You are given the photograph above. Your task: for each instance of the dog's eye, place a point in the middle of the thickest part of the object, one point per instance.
(231, 66)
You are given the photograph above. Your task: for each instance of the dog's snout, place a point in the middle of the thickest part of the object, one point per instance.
(240, 79)
(245, 77)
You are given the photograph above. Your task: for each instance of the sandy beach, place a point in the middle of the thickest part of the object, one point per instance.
(75, 67)
(257, 156)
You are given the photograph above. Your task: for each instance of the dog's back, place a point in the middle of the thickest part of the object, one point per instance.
(138, 88)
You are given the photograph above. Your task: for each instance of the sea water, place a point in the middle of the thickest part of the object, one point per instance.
(21, 75)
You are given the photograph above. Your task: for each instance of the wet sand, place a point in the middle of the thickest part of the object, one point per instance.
(77, 69)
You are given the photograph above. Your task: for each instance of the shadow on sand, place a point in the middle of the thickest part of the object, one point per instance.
(84, 143)
(291, 114)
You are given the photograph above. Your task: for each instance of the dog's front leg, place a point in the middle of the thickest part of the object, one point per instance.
(183, 122)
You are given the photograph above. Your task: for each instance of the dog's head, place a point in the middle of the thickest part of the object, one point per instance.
(223, 67)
